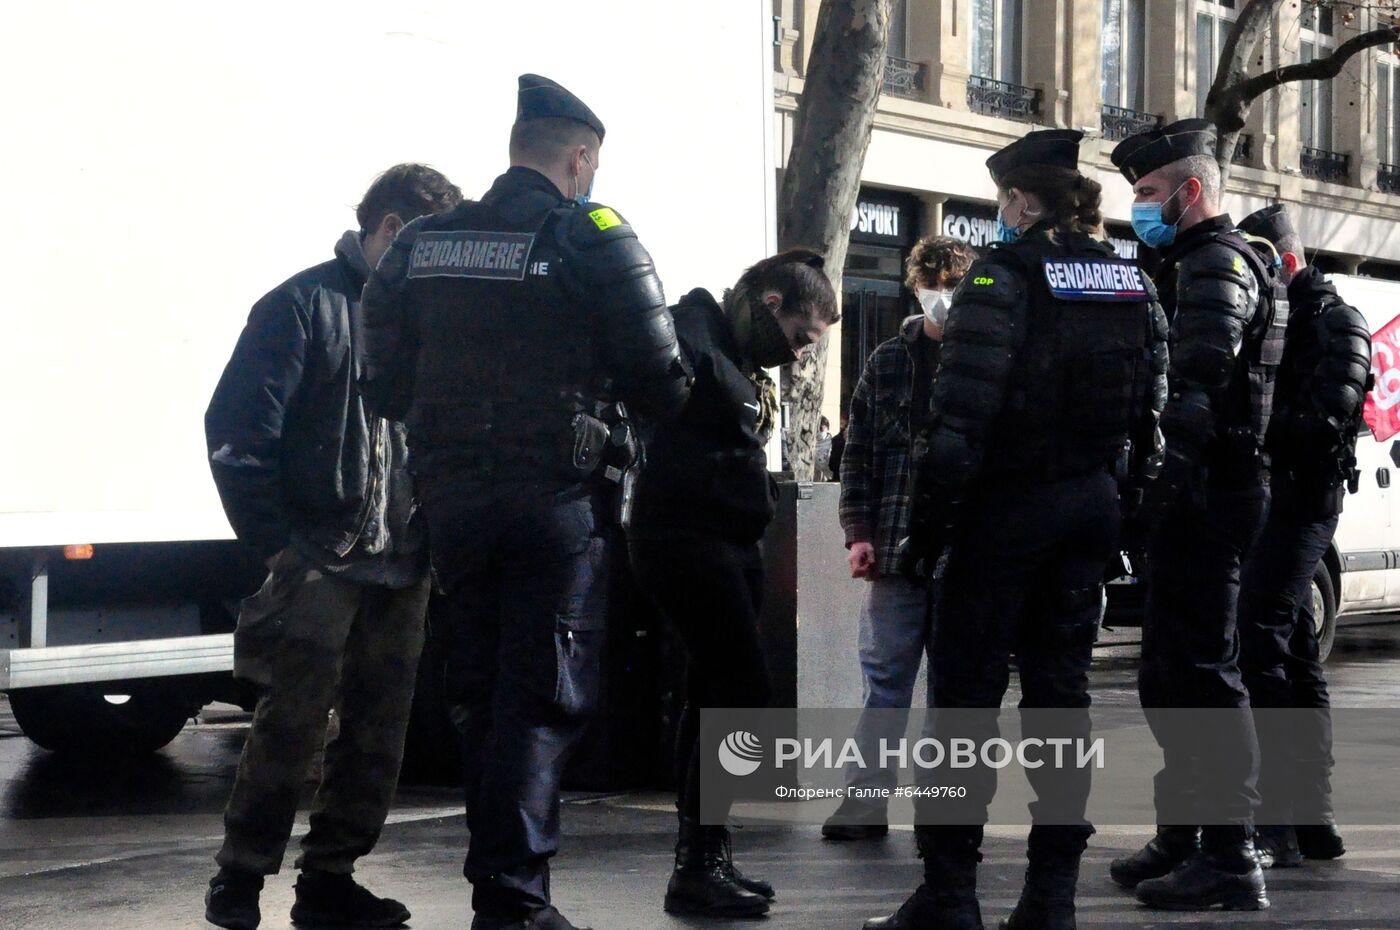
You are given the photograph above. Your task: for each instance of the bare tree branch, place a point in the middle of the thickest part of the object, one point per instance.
(1319, 69)
(1240, 45)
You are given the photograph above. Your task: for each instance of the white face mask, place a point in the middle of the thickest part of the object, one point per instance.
(936, 305)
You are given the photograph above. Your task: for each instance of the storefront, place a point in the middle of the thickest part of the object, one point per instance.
(874, 301)
(975, 224)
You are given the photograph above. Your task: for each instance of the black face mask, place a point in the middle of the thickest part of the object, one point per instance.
(768, 344)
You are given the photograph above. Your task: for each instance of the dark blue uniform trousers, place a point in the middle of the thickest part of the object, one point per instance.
(1190, 658)
(1280, 664)
(520, 564)
(1024, 575)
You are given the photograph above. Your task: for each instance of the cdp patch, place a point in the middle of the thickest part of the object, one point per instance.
(470, 253)
(1095, 279)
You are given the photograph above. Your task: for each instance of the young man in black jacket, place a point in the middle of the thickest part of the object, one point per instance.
(318, 488)
(1312, 443)
(702, 501)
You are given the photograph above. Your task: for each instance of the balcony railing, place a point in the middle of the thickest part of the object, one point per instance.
(904, 78)
(1244, 149)
(1324, 165)
(1388, 178)
(1121, 122)
(998, 98)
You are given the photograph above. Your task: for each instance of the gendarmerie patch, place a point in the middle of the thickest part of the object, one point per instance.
(470, 253)
(1095, 279)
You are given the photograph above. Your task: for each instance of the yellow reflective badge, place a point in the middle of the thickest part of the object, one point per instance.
(605, 218)
(984, 282)
(1239, 265)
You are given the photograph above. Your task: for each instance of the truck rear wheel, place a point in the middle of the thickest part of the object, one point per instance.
(105, 720)
(1322, 610)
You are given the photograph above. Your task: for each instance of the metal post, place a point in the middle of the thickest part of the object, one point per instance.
(39, 603)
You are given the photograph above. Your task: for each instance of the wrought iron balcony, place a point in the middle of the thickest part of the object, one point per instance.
(1325, 166)
(998, 98)
(904, 78)
(1121, 122)
(1388, 178)
(1244, 149)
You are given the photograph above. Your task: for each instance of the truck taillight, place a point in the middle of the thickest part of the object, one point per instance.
(77, 553)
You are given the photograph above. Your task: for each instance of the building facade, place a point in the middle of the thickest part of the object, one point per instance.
(965, 77)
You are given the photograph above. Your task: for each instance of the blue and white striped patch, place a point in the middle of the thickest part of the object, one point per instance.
(1104, 279)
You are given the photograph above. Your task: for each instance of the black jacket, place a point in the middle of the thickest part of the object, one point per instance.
(1321, 387)
(295, 456)
(705, 472)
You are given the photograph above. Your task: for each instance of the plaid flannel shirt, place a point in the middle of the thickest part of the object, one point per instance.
(875, 469)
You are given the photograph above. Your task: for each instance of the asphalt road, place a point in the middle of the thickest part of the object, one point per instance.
(118, 846)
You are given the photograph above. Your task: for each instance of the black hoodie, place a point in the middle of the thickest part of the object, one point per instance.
(705, 472)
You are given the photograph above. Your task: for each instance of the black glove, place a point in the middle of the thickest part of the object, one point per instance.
(919, 552)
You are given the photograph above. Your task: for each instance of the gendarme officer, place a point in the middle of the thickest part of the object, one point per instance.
(1200, 521)
(1049, 384)
(506, 332)
(1312, 450)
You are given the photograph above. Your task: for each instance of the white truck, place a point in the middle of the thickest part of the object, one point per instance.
(166, 164)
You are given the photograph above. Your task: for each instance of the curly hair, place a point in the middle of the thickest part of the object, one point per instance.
(937, 260)
(1072, 201)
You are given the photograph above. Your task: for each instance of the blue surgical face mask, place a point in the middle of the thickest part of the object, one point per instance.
(583, 197)
(1149, 226)
(1005, 232)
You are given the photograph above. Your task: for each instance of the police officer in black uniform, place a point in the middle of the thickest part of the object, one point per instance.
(702, 502)
(1046, 399)
(1200, 521)
(1321, 386)
(506, 332)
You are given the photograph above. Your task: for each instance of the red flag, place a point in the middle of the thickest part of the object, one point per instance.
(1382, 409)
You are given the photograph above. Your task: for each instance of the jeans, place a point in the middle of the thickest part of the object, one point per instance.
(896, 620)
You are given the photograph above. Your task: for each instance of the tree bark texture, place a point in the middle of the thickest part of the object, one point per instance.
(1234, 90)
(831, 132)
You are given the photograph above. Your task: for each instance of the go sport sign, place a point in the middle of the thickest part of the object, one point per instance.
(975, 224)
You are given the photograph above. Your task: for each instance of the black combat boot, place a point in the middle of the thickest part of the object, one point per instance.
(1047, 900)
(1168, 849)
(1277, 848)
(1320, 841)
(327, 899)
(1225, 872)
(703, 882)
(947, 900)
(232, 900)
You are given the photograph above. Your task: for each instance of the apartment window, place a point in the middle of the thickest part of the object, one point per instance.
(1214, 18)
(1124, 53)
(899, 29)
(996, 40)
(1388, 122)
(1315, 107)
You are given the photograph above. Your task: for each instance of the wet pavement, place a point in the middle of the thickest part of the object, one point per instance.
(127, 846)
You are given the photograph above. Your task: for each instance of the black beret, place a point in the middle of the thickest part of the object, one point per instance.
(541, 98)
(1270, 223)
(1058, 148)
(1142, 154)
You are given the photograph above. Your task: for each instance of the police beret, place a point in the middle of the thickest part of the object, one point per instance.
(1270, 223)
(541, 98)
(1058, 148)
(1142, 154)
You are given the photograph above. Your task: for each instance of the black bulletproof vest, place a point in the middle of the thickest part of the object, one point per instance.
(1248, 404)
(1084, 372)
(505, 358)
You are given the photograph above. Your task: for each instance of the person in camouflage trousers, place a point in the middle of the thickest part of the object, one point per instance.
(318, 488)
